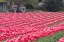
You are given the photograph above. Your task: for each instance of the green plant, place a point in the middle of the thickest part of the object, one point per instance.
(54, 38)
(53, 5)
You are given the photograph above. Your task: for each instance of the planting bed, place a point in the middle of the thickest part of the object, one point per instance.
(29, 27)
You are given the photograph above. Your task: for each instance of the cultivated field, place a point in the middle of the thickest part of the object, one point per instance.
(32, 27)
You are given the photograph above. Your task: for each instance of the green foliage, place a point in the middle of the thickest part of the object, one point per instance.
(24, 1)
(54, 38)
(53, 5)
(15, 1)
(34, 1)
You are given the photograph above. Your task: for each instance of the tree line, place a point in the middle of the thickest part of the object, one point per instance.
(49, 5)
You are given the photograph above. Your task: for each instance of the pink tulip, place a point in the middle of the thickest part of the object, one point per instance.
(61, 40)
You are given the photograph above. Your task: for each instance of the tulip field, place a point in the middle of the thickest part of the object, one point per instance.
(32, 27)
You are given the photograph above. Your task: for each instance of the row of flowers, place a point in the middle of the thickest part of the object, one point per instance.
(37, 34)
(11, 31)
(29, 25)
(29, 37)
(29, 17)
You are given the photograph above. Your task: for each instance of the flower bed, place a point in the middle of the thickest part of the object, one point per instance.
(26, 27)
